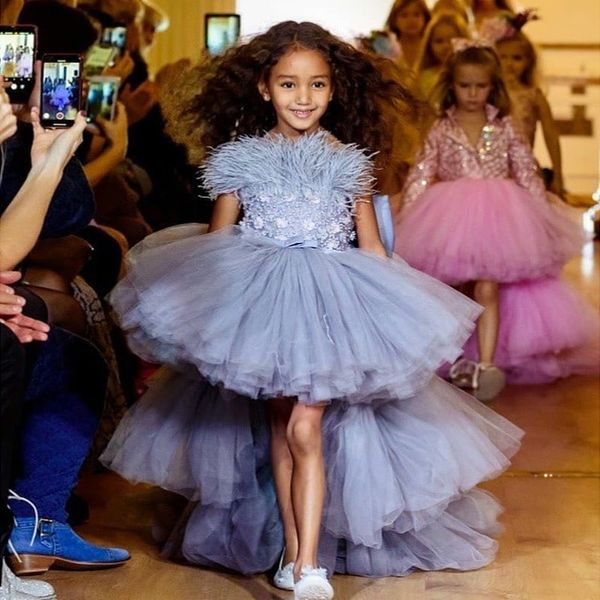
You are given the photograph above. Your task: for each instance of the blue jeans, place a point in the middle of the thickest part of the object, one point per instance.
(64, 402)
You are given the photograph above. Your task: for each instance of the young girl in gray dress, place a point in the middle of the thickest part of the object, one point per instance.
(300, 364)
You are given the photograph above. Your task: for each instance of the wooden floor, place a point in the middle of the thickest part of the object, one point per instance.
(551, 495)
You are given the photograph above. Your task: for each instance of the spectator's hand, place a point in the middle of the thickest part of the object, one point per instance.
(139, 101)
(26, 329)
(11, 305)
(115, 131)
(54, 148)
(123, 68)
(8, 121)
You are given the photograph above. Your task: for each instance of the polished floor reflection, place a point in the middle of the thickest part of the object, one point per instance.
(549, 549)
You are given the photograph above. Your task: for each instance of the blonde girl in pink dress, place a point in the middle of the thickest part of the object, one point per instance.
(476, 209)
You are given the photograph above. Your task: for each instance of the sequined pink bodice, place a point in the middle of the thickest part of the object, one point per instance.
(447, 155)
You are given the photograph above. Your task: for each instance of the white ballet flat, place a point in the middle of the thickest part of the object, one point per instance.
(284, 577)
(313, 585)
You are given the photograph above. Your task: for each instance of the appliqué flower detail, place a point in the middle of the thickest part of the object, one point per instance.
(293, 190)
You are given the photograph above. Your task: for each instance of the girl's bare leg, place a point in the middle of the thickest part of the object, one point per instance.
(308, 480)
(486, 294)
(280, 410)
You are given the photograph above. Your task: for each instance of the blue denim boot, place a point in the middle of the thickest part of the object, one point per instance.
(55, 544)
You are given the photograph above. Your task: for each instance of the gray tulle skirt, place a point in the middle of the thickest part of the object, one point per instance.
(239, 317)
(265, 320)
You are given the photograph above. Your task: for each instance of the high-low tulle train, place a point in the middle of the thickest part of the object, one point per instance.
(282, 305)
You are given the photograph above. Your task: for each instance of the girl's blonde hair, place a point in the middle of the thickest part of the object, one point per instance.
(443, 93)
(530, 76)
(500, 4)
(426, 59)
(456, 6)
(398, 7)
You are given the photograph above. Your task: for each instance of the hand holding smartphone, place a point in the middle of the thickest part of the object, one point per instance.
(17, 53)
(102, 98)
(61, 90)
(115, 37)
(99, 58)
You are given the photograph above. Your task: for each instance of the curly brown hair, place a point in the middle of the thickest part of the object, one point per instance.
(443, 92)
(218, 100)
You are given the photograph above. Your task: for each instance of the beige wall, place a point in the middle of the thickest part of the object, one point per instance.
(572, 78)
(185, 36)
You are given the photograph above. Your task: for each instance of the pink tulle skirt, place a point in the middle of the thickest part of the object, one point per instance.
(473, 229)
(546, 331)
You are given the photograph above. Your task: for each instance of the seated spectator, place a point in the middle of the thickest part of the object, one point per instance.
(172, 198)
(67, 381)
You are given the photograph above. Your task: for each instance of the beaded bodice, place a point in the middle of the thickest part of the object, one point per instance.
(297, 192)
(447, 155)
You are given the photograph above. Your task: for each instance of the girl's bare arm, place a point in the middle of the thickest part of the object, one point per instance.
(367, 229)
(552, 141)
(225, 212)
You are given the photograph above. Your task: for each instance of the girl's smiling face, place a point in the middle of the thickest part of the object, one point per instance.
(300, 88)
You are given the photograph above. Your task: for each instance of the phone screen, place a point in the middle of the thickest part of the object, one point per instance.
(221, 32)
(17, 53)
(61, 90)
(102, 98)
(115, 36)
(98, 58)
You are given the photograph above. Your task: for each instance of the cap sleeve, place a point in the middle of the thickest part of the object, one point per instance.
(223, 172)
(353, 172)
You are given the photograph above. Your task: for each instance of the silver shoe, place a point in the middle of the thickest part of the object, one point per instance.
(284, 577)
(313, 585)
(15, 588)
(489, 381)
(462, 373)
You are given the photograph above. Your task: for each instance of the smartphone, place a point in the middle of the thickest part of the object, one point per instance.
(98, 58)
(17, 54)
(115, 37)
(102, 97)
(221, 31)
(61, 89)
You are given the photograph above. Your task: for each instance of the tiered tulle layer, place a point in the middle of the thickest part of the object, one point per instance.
(473, 229)
(268, 320)
(546, 331)
(400, 476)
